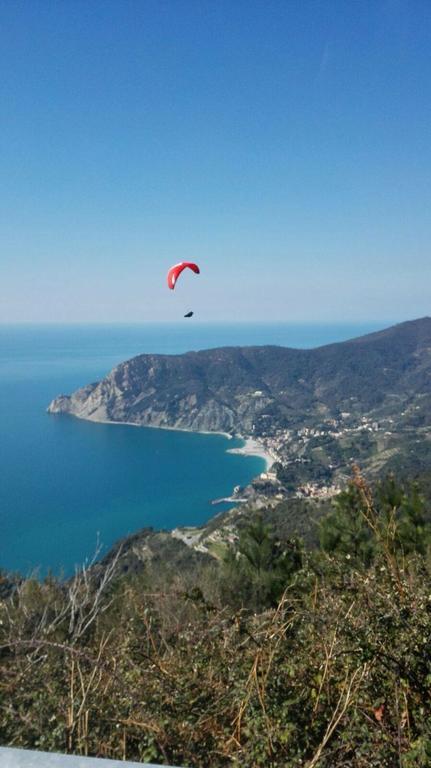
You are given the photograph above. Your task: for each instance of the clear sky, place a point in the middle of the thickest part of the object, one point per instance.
(285, 146)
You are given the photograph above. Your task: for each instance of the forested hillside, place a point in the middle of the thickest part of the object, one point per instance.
(274, 655)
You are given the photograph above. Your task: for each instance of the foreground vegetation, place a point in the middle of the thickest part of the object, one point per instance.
(277, 656)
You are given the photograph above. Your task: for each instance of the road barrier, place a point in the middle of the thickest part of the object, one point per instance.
(24, 758)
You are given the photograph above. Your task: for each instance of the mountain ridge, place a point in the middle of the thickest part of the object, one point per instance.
(231, 388)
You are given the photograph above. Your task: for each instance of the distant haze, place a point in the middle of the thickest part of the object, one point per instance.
(284, 146)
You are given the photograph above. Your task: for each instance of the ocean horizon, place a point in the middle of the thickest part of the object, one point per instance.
(66, 483)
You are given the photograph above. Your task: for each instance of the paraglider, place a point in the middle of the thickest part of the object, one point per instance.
(176, 270)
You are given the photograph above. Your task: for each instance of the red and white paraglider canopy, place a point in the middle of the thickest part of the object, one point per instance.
(176, 270)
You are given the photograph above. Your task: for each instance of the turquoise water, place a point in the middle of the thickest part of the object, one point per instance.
(64, 482)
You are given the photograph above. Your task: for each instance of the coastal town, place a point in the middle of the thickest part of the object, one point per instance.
(334, 444)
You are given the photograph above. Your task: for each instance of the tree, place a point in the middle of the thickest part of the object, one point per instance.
(402, 513)
(261, 565)
(345, 531)
(391, 520)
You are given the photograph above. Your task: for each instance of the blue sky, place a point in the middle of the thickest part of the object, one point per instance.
(285, 146)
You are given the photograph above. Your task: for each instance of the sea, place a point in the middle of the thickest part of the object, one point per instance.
(71, 488)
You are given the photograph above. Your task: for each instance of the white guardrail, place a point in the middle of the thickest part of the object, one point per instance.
(24, 758)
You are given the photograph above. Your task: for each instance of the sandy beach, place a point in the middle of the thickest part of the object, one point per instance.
(253, 447)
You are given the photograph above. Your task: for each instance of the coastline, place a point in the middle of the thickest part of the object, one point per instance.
(144, 426)
(253, 447)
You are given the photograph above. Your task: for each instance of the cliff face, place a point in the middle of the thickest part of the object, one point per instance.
(184, 392)
(232, 389)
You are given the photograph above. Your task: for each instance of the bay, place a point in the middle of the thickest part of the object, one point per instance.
(66, 483)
